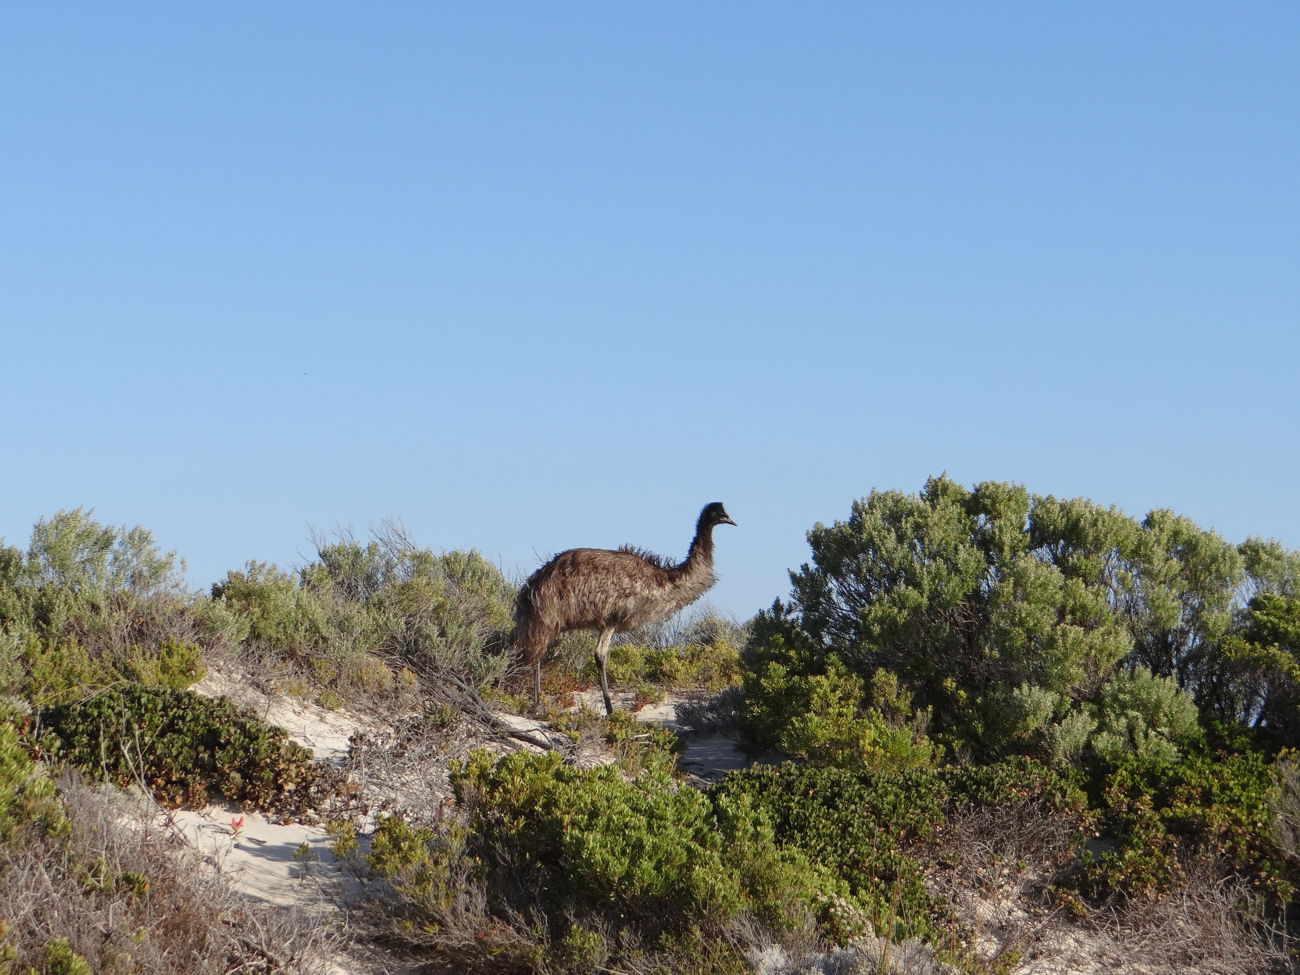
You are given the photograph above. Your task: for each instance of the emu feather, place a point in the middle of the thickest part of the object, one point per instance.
(609, 591)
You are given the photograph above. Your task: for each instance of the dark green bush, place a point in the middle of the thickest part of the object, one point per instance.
(863, 826)
(1015, 781)
(182, 746)
(650, 856)
(1157, 817)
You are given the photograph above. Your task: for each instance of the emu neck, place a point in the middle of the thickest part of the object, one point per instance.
(700, 555)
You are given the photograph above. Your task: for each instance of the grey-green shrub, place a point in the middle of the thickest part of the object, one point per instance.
(1147, 715)
(385, 600)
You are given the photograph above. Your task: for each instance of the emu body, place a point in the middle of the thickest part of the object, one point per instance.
(610, 590)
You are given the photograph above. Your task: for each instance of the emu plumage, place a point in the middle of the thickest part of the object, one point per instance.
(610, 590)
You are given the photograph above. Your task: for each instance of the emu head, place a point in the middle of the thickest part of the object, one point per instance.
(714, 514)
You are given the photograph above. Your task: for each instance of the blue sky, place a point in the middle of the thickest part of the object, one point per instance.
(531, 276)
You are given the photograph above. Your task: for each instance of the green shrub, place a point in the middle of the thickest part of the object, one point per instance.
(181, 746)
(27, 797)
(60, 669)
(710, 666)
(1016, 781)
(645, 855)
(176, 665)
(89, 605)
(1009, 614)
(830, 719)
(1161, 815)
(388, 599)
(60, 959)
(1146, 715)
(429, 869)
(862, 826)
(596, 841)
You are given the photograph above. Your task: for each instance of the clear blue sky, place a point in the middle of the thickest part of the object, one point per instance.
(529, 276)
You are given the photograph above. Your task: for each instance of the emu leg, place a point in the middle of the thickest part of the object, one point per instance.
(537, 687)
(602, 657)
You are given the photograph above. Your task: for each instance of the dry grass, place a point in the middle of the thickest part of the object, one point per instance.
(130, 898)
(1001, 868)
(1206, 925)
(715, 713)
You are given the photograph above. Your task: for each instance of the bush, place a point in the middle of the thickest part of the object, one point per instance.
(709, 667)
(1160, 817)
(89, 605)
(355, 606)
(182, 746)
(1148, 716)
(831, 719)
(862, 826)
(658, 860)
(27, 798)
(1016, 781)
(1007, 615)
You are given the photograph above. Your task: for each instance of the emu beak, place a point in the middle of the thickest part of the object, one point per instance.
(726, 520)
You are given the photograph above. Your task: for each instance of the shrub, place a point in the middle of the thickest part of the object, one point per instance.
(826, 718)
(595, 841)
(88, 605)
(1007, 614)
(430, 870)
(861, 825)
(1161, 816)
(649, 856)
(1149, 716)
(27, 798)
(181, 746)
(710, 667)
(176, 665)
(1015, 781)
(355, 605)
(58, 670)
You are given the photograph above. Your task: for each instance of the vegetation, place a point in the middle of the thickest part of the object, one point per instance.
(365, 620)
(184, 747)
(964, 685)
(1150, 661)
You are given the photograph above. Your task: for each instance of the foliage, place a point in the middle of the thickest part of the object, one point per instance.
(1015, 781)
(1008, 615)
(27, 798)
(710, 666)
(87, 605)
(861, 825)
(429, 869)
(60, 959)
(832, 719)
(1161, 817)
(181, 746)
(648, 855)
(356, 606)
(1262, 667)
(1147, 715)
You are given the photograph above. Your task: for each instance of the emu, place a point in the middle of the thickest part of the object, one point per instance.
(610, 590)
